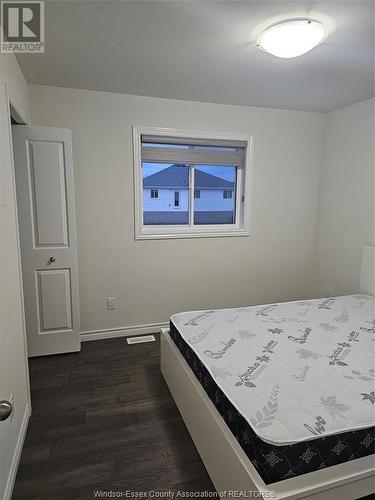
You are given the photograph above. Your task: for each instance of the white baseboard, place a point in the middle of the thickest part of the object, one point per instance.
(17, 454)
(127, 331)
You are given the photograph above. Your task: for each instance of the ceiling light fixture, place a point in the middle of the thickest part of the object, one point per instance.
(292, 38)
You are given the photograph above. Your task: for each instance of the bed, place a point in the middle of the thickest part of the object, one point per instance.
(279, 399)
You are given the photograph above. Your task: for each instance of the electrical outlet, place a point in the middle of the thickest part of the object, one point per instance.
(111, 303)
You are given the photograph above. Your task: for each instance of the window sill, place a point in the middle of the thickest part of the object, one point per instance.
(145, 235)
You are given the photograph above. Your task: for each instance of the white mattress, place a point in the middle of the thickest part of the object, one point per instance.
(297, 370)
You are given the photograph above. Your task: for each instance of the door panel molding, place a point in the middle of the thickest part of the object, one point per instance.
(54, 300)
(42, 156)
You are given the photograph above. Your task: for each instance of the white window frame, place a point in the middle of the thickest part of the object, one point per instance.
(243, 189)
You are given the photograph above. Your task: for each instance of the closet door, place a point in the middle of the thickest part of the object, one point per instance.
(45, 197)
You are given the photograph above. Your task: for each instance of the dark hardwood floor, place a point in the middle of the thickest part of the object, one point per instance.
(103, 419)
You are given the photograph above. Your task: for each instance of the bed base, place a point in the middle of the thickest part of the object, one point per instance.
(227, 464)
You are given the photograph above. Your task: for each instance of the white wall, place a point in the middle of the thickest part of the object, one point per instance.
(347, 189)
(153, 279)
(13, 364)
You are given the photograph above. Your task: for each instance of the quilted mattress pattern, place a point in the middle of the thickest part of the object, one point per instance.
(294, 371)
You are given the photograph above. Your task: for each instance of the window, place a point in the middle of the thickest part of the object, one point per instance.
(176, 198)
(201, 184)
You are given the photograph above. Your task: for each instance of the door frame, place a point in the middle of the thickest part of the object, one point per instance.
(16, 452)
(18, 118)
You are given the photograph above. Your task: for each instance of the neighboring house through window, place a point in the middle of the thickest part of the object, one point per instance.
(205, 178)
(176, 198)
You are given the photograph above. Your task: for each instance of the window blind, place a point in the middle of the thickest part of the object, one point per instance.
(164, 149)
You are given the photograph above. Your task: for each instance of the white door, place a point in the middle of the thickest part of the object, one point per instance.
(46, 213)
(14, 386)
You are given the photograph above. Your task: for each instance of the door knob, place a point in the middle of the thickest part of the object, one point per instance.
(5, 410)
(52, 259)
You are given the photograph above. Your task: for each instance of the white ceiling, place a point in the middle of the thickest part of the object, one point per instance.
(205, 51)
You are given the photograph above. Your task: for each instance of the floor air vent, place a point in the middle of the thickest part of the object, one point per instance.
(140, 340)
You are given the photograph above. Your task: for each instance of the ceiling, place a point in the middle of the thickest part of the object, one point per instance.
(206, 51)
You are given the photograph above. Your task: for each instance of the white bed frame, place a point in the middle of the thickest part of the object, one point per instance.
(367, 280)
(227, 464)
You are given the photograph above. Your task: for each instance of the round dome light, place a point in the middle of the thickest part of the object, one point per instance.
(292, 38)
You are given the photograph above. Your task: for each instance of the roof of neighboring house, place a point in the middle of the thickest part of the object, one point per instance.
(178, 176)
